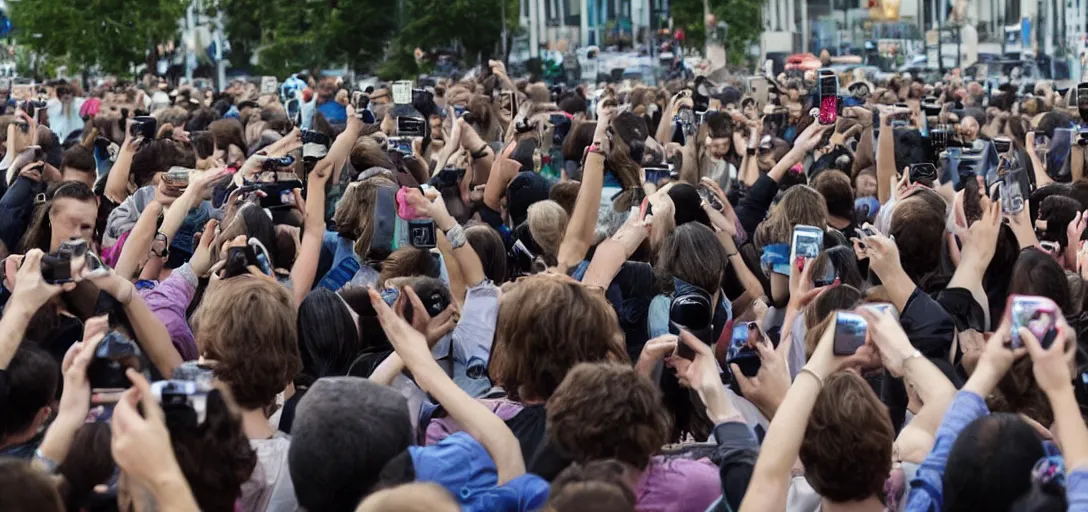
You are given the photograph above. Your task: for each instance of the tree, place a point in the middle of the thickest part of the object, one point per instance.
(475, 26)
(288, 35)
(113, 35)
(743, 17)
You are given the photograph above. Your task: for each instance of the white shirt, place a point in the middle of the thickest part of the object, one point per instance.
(64, 125)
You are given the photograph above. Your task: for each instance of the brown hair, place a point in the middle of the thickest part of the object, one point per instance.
(599, 486)
(919, 219)
(368, 153)
(247, 326)
(847, 448)
(800, 205)
(489, 247)
(355, 212)
(607, 411)
(835, 187)
(565, 193)
(546, 325)
(227, 132)
(406, 262)
(27, 489)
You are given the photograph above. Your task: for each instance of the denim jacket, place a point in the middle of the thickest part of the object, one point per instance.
(659, 311)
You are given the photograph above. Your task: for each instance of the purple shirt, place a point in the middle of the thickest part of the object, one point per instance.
(169, 301)
(677, 485)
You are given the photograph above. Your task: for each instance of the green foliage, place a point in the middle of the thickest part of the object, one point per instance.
(112, 34)
(473, 25)
(743, 17)
(291, 35)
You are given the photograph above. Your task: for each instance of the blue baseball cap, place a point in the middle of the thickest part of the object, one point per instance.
(462, 465)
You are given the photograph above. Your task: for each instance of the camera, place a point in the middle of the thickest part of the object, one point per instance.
(113, 355)
(144, 126)
(183, 402)
(410, 126)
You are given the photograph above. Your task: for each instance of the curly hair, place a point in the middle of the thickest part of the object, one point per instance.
(847, 449)
(247, 326)
(598, 486)
(607, 410)
(546, 325)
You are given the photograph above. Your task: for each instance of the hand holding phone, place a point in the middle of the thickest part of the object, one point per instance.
(1036, 314)
(851, 331)
(828, 96)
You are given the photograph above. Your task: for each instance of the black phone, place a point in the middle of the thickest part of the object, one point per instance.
(448, 177)
(1002, 144)
(315, 137)
(144, 126)
(923, 171)
(1082, 101)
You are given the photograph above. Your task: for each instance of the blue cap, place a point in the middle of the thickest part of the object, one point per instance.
(462, 465)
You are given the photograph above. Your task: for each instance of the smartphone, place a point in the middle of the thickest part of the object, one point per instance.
(829, 97)
(807, 243)
(710, 197)
(144, 126)
(1002, 144)
(293, 110)
(1038, 314)
(742, 351)
(268, 85)
(421, 234)
(402, 145)
(402, 92)
(411, 126)
(176, 177)
(260, 253)
(447, 177)
(277, 163)
(760, 90)
(850, 332)
(923, 171)
(1012, 195)
(825, 276)
(508, 103)
(881, 307)
(315, 137)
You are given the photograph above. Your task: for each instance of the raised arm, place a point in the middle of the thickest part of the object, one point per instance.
(117, 180)
(583, 220)
(885, 159)
(305, 269)
(979, 244)
(1038, 168)
(472, 270)
(1051, 367)
(477, 420)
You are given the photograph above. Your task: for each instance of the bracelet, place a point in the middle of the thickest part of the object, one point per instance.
(818, 378)
(914, 355)
(456, 236)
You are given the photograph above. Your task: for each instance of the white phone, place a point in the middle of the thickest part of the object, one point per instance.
(402, 92)
(268, 85)
(807, 243)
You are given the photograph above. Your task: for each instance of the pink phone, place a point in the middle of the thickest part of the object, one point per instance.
(1038, 314)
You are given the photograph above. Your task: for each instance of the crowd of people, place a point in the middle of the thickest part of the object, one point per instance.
(494, 294)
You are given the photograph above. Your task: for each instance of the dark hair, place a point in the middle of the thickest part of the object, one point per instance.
(920, 219)
(837, 192)
(1036, 273)
(26, 489)
(346, 430)
(846, 265)
(215, 456)
(693, 254)
(203, 144)
(990, 463)
(407, 262)
(1049, 497)
(598, 486)
(579, 138)
(158, 156)
(488, 245)
(1058, 211)
(565, 194)
(40, 231)
(228, 132)
(328, 336)
(847, 448)
(572, 103)
(201, 119)
(32, 377)
(80, 159)
(607, 411)
(88, 465)
(720, 125)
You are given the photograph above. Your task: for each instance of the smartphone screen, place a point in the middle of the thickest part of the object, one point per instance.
(507, 102)
(829, 97)
(808, 242)
(1012, 195)
(1038, 314)
(923, 171)
(402, 92)
(850, 331)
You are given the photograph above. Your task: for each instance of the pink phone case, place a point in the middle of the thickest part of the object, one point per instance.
(404, 210)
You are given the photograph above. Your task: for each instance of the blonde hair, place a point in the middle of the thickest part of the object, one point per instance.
(547, 223)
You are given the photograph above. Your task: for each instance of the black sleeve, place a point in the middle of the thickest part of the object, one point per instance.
(737, 451)
(15, 209)
(929, 327)
(754, 205)
(963, 308)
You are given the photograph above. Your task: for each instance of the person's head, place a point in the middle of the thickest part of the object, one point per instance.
(1036, 273)
(368, 153)
(845, 265)
(70, 212)
(628, 144)
(919, 223)
(26, 489)
(607, 411)
(865, 182)
(408, 262)
(990, 463)
(230, 137)
(355, 212)
(598, 486)
(156, 157)
(215, 456)
(547, 223)
(579, 138)
(32, 377)
(835, 187)
(546, 325)
(847, 448)
(1057, 211)
(345, 431)
(799, 205)
(203, 144)
(247, 326)
(572, 104)
(693, 254)
(78, 165)
(411, 497)
(720, 134)
(488, 245)
(328, 335)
